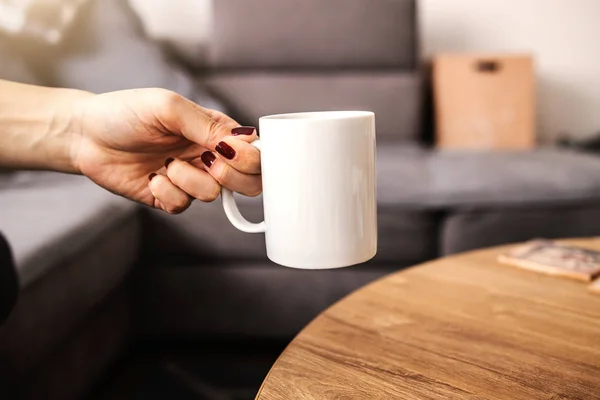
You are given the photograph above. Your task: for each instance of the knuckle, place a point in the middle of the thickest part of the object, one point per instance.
(255, 188)
(174, 171)
(172, 211)
(213, 130)
(178, 207)
(168, 98)
(211, 193)
(255, 192)
(183, 202)
(167, 103)
(222, 174)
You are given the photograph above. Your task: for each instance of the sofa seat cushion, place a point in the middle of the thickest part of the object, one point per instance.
(482, 227)
(238, 298)
(48, 217)
(72, 243)
(443, 180)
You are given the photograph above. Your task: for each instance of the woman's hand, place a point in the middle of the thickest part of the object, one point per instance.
(160, 149)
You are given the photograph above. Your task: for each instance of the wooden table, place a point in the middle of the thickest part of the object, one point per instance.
(459, 327)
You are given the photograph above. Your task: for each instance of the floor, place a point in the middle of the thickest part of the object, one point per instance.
(190, 371)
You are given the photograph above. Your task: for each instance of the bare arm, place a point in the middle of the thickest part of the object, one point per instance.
(149, 145)
(37, 126)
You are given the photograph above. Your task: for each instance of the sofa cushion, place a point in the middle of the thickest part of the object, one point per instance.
(48, 217)
(243, 299)
(476, 228)
(422, 179)
(73, 243)
(395, 97)
(314, 33)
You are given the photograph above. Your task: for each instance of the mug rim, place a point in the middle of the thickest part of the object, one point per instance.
(319, 115)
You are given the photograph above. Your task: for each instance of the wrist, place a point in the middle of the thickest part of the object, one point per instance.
(66, 130)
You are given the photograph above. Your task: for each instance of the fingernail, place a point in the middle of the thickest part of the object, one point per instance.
(243, 130)
(225, 150)
(152, 175)
(208, 158)
(169, 161)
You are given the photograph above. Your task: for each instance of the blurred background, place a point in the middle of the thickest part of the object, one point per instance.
(488, 132)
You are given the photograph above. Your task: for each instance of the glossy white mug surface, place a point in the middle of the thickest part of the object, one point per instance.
(319, 189)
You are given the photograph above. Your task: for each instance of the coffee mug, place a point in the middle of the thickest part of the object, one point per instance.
(319, 189)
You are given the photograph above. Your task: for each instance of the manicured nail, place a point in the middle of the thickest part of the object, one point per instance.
(208, 158)
(225, 150)
(169, 161)
(152, 175)
(243, 130)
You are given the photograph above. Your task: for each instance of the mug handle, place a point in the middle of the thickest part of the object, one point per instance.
(233, 213)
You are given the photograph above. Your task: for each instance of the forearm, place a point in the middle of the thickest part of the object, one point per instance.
(38, 127)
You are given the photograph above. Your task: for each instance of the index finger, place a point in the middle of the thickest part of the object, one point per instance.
(181, 116)
(246, 133)
(240, 155)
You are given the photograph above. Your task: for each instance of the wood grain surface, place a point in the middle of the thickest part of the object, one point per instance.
(460, 327)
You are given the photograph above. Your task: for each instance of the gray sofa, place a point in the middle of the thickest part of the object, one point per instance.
(96, 271)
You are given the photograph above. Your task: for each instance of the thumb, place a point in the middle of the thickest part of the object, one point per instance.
(184, 117)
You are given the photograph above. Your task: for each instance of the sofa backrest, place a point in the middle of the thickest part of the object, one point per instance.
(277, 56)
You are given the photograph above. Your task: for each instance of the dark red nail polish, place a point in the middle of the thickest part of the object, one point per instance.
(243, 130)
(169, 161)
(208, 158)
(225, 150)
(151, 176)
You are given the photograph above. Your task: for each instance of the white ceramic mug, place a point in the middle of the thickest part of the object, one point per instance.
(319, 189)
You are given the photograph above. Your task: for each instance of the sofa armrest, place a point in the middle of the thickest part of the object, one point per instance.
(9, 281)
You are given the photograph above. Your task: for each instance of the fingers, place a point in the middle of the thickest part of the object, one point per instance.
(194, 181)
(226, 175)
(169, 197)
(245, 133)
(181, 116)
(239, 154)
(200, 125)
(218, 116)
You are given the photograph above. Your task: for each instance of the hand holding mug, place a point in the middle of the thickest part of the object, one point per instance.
(318, 169)
(160, 149)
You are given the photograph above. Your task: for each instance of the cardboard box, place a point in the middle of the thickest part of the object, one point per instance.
(484, 101)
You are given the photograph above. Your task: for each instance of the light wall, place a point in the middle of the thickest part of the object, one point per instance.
(563, 36)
